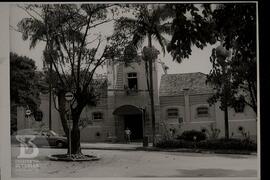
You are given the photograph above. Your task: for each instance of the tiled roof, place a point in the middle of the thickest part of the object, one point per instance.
(174, 84)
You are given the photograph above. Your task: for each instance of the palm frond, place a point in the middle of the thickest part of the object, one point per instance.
(161, 40)
(32, 27)
(138, 39)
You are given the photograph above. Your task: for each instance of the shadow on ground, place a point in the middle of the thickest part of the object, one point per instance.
(217, 173)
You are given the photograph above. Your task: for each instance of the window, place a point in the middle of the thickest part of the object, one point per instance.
(172, 113)
(202, 111)
(97, 116)
(38, 116)
(239, 107)
(132, 81)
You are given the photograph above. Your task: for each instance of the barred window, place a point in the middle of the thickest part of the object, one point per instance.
(97, 116)
(202, 111)
(172, 113)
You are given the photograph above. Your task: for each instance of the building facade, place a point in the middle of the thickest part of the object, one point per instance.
(180, 104)
(184, 106)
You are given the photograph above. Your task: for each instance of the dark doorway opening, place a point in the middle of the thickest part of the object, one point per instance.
(134, 123)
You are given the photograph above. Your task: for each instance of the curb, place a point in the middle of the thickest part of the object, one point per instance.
(87, 158)
(110, 148)
(199, 151)
(175, 150)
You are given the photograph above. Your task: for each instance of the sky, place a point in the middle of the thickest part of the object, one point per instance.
(197, 62)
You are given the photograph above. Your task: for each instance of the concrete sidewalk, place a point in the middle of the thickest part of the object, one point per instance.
(113, 146)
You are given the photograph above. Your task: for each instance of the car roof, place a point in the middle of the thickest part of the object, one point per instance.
(27, 131)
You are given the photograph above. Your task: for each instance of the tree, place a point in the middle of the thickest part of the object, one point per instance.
(24, 86)
(234, 77)
(74, 51)
(220, 77)
(191, 25)
(236, 25)
(146, 24)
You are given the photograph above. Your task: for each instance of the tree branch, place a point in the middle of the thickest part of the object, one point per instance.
(54, 102)
(17, 30)
(25, 10)
(80, 53)
(87, 69)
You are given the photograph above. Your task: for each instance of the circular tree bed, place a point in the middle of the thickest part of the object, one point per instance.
(73, 157)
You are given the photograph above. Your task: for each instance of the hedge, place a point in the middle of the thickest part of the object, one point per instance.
(217, 144)
(190, 134)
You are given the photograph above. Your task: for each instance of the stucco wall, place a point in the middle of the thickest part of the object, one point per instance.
(23, 122)
(95, 127)
(247, 119)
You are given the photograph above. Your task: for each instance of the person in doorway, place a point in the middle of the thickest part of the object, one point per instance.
(127, 135)
(171, 133)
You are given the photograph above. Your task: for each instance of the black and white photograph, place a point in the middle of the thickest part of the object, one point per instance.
(133, 90)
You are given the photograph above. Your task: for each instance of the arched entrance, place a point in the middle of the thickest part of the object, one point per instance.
(132, 117)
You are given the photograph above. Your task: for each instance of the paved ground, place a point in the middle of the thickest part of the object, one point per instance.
(123, 163)
(112, 146)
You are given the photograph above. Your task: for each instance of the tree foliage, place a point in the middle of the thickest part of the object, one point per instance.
(24, 86)
(234, 62)
(191, 26)
(238, 34)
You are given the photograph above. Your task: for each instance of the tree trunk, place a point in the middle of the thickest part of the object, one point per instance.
(252, 91)
(226, 119)
(13, 118)
(62, 111)
(152, 105)
(75, 139)
(151, 93)
(75, 132)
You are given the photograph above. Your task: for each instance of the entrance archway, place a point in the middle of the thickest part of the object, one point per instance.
(132, 117)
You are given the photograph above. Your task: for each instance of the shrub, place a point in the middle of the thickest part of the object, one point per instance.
(228, 144)
(213, 133)
(175, 144)
(189, 135)
(212, 144)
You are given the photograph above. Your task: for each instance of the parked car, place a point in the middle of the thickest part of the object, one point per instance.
(40, 138)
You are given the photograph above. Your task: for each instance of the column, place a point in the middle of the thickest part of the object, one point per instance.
(187, 106)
